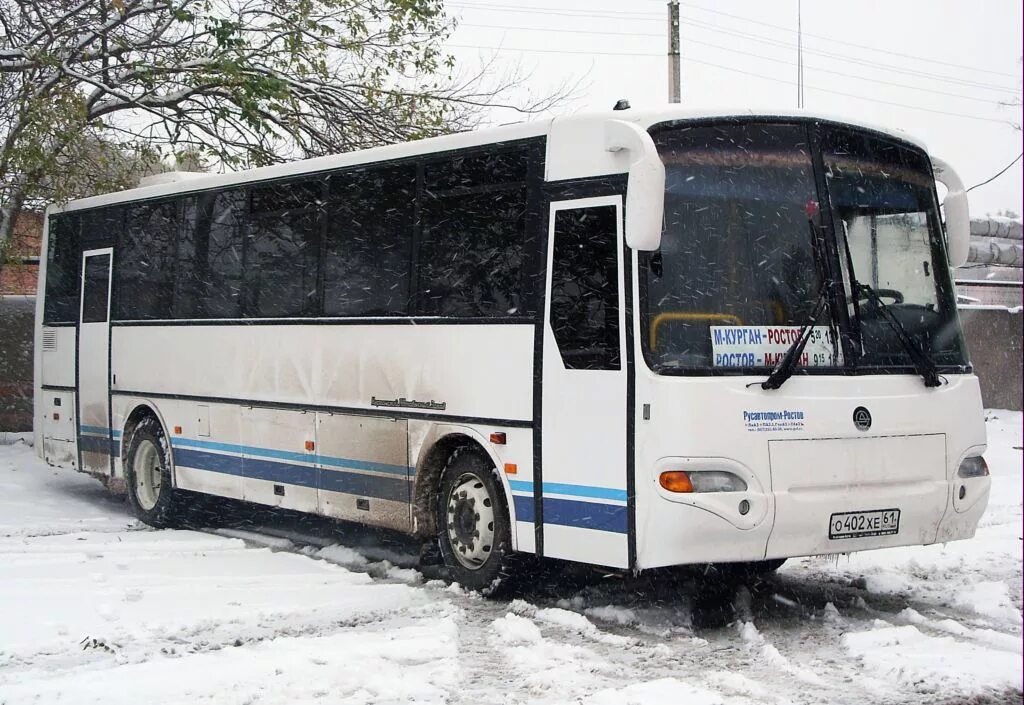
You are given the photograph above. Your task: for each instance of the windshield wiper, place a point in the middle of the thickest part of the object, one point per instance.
(784, 370)
(923, 363)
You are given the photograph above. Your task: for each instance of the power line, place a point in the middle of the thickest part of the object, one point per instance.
(553, 51)
(847, 95)
(1001, 172)
(851, 59)
(564, 12)
(734, 51)
(559, 30)
(735, 70)
(848, 43)
(908, 86)
(771, 42)
(651, 17)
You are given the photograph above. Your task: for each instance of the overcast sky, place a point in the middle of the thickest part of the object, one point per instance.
(937, 69)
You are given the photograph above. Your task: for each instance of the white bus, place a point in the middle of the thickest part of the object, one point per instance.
(631, 339)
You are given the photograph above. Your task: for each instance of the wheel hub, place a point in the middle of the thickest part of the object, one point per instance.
(148, 474)
(470, 515)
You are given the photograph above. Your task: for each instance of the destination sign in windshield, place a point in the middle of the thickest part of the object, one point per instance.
(764, 346)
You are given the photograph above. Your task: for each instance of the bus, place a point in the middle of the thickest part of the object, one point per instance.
(630, 339)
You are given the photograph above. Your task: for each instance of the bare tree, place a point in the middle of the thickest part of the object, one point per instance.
(243, 82)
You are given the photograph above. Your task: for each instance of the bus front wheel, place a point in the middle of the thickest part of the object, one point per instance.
(472, 522)
(147, 472)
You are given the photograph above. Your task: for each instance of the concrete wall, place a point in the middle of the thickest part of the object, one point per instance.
(17, 315)
(994, 339)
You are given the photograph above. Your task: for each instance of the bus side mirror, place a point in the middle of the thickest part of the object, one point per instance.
(958, 218)
(645, 190)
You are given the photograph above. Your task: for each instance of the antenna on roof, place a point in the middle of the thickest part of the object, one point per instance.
(621, 104)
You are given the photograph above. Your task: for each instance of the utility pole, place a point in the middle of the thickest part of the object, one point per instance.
(674, 78)
(799, 55)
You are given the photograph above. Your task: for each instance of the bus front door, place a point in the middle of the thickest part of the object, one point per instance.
(94, 434)
(582, 498)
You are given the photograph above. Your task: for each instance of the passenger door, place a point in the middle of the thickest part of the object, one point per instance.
(94, 438)
(584, 453)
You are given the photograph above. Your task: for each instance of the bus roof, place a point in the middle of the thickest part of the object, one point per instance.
(459, 140)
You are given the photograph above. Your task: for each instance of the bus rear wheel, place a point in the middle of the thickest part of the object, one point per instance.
(473, 529)
(147, 471)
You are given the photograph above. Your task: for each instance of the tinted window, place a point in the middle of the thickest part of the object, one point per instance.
(367, 256)
(738, 249)
(62, 267)
(585, 288)
(281, 251)
(97, 286)
(472, 239)
(145, 261)
(211, 240)
(463, 171)
(101, 227)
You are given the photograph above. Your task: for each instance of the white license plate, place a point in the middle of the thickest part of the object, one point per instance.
(852, 525)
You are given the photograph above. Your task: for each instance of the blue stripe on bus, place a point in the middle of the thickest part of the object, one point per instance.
(95, 430)
(571, 490)
(349, 463)
(97, 444)
(575, 514)
(390, 488)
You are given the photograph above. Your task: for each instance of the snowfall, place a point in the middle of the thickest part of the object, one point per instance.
(98, 608)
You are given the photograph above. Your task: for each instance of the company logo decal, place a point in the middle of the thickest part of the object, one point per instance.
(861, 418)
(403, 403)
(781, 420)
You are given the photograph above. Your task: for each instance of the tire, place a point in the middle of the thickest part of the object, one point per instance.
(472, 516)
(147, 473)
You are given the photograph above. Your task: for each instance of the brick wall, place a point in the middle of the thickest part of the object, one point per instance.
(19, 274)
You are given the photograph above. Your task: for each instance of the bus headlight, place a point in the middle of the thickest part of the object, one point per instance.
(974, 466)
(683, 481)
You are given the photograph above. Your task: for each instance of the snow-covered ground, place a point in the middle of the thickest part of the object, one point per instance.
(96, 608)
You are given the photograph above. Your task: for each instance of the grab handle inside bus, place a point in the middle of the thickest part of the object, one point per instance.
(645, 191)
(958, 219)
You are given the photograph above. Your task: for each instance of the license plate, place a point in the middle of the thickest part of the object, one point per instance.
(854, 525)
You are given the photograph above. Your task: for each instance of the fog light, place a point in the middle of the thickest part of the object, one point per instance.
(974, 466)
(744, 507)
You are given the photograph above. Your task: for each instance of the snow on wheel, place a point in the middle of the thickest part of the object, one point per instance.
(148, 476)
(472, 522)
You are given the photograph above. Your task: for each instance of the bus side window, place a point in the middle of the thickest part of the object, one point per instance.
(62, 265)
(585, 288)
(144, 275)
(473, 237)
(282, 250)
(211, 234)
(367, 256)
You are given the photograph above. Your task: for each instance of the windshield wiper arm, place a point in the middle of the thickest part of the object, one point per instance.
(923, 363)
(784, 370)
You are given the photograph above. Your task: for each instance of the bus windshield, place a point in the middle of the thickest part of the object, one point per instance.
(887, 225)
(753, 240)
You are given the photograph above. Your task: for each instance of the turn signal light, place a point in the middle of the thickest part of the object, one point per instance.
(676, 481)
(310, 445)
(177, 430)
(498, 438)
(511, 468)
